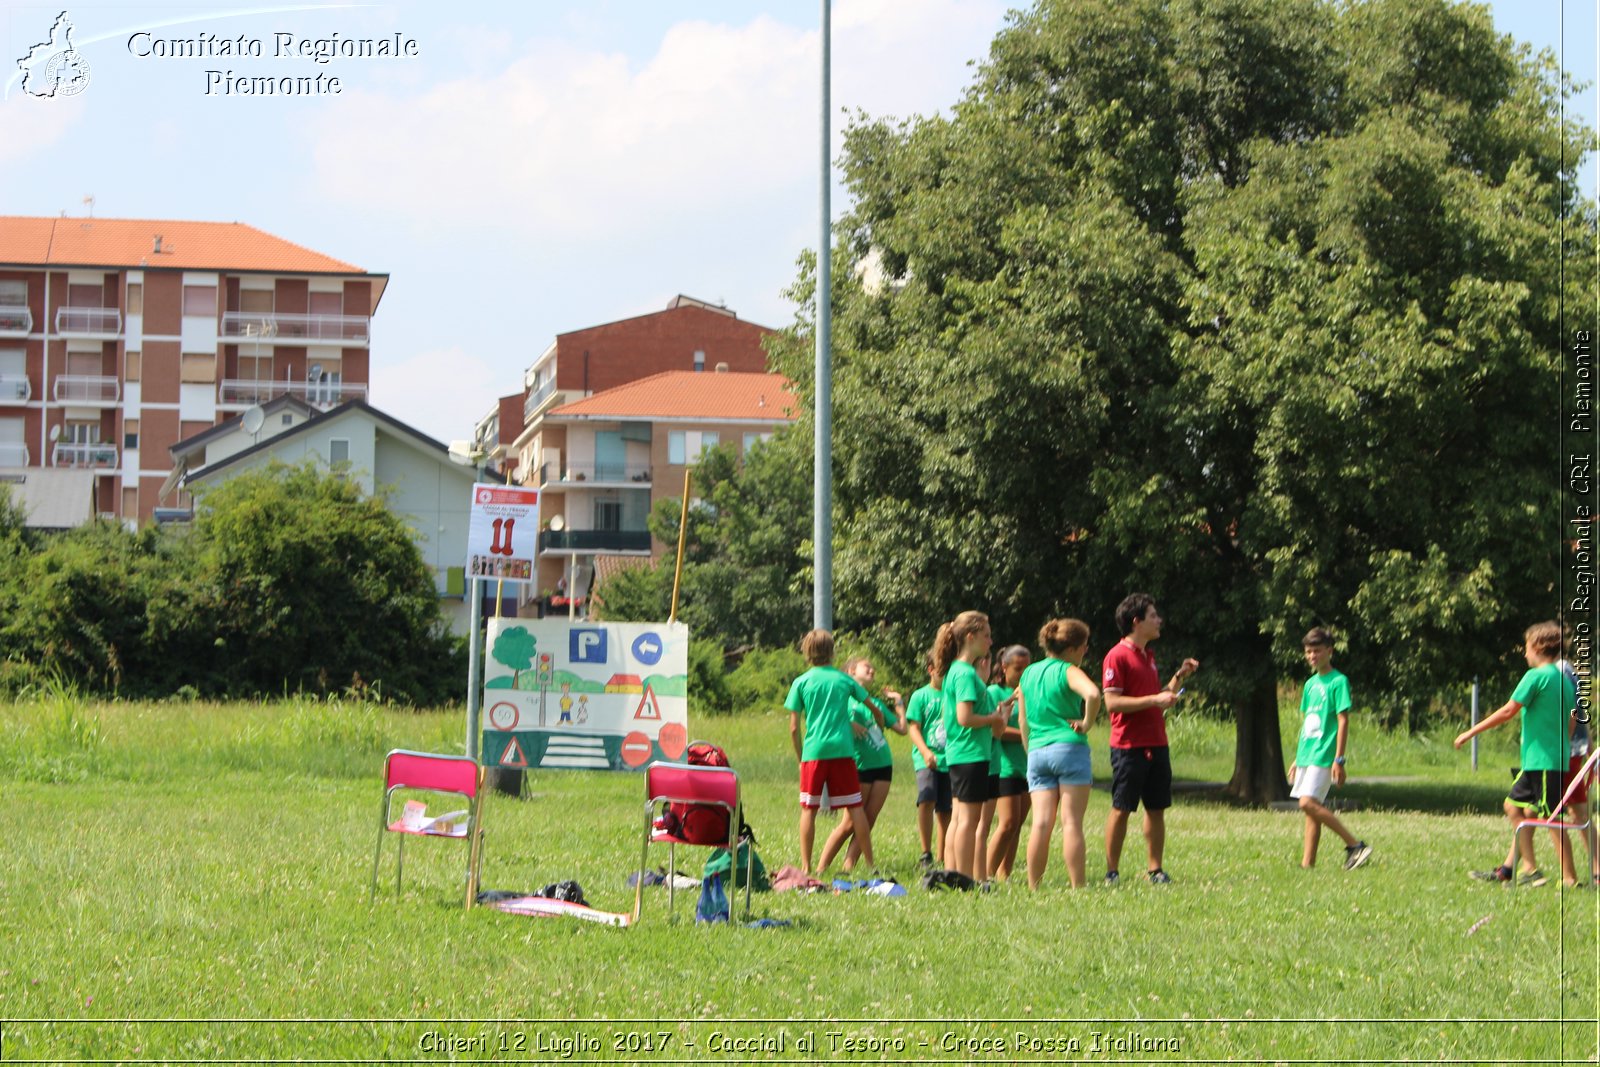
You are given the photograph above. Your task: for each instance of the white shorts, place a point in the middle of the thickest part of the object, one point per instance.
(1312, 782)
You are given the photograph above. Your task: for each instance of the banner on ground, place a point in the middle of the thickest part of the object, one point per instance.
(604, 696)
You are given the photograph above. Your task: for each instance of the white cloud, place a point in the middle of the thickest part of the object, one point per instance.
(561, 142)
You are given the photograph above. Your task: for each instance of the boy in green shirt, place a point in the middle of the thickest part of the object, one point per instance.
(1319, 761)
(1544, 699)
(925, 724)
(819, 706)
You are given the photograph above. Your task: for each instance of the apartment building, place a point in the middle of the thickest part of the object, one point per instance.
(627, 447)
(121, 337)
(689, 336)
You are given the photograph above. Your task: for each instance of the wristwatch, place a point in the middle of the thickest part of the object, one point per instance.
(1338, 760)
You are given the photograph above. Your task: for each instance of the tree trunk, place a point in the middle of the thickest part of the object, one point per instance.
(1258, 769)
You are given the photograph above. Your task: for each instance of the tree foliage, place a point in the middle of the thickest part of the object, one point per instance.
(1251, 304)
(291, 580)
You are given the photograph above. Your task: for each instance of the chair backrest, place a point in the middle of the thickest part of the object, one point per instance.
(427, 770)
(692, 784)
(1577, 780)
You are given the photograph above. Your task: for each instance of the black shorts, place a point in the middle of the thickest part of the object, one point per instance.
(933, 787)
(877, 774)
(1538, 790)
(1141, 775)
(969, 782)
(1013, 787)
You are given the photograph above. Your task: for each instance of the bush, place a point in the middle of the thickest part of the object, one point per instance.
(762, 678)
(708, 687)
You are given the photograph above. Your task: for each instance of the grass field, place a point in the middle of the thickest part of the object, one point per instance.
(188, 882)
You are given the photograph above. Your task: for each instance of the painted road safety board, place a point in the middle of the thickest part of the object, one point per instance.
(503, 532)
(600, 695)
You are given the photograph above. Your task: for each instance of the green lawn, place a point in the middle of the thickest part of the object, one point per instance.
(189, 882)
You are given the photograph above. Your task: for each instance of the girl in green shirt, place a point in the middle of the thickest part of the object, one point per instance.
(1011, 797)
(969, 730)
(874, 760)
(1058, 703)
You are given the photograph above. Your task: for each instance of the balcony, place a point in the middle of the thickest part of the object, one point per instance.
(15, 389)
(244, 392)
(569, 541)
(91, 390)
(91, 323)
(602, 475)
(15, 320)
(289, 329)
(537, 398)
(95, 456)
(13, 455)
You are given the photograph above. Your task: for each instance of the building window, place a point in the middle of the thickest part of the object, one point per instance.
(133, 362)
(13, 294)
(608, 515)
(751, 439)
(199, 300)
(699, 360)
(135, 298)
(130, 433)
(687, 446)
(255, 301)
(338, 451)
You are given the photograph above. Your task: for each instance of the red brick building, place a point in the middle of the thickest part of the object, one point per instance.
(121, 337)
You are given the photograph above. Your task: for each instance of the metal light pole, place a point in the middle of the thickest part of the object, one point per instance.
(822, 494)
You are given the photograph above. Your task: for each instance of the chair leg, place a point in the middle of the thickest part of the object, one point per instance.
(399, 864)
(672, 874)
(644, 858)
(377, 855)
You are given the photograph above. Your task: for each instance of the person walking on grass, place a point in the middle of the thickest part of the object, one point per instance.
(1010, 787)
(1057, 705)
(925, 726)
(1141, 765)
(969, 725)
(1544, 699)
(1319, 761)
(874, 760)
(819, 708)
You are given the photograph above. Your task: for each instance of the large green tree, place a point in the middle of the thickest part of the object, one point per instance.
(1252, 304)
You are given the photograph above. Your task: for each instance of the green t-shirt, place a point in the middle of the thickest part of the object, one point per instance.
(964, 745)
(1051, 704)
(872, 751)
(926, 709)
(1547, 697)
(1010, 757)
(822, 697)
(1324, 698)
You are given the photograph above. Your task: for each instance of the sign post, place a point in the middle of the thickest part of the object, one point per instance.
(502, 540)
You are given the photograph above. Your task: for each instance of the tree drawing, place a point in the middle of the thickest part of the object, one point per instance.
(515, 648)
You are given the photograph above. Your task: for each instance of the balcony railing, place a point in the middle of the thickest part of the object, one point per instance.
(292, 329)
(94, 389)
(246, 391)
(88, 322)
(537, 398)
(602, 473)
(15, 388)
(594, 541)
(13, 455)
(15, 321)
(68, 454)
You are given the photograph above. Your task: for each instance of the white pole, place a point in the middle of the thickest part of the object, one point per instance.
(474, 663)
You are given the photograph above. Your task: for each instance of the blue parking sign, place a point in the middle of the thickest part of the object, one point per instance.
(587, 646)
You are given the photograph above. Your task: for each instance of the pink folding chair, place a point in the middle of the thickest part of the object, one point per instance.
(450, 775)
(1586, 773)
(668, 783)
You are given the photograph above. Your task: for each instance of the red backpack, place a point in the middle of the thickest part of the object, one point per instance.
(701, 824)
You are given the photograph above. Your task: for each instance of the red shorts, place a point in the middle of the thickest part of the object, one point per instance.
(840, 778)
(1580, 795)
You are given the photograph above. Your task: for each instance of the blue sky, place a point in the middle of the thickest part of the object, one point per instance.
(537, 167)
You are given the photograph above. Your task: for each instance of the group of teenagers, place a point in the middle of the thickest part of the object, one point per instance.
(994, 736)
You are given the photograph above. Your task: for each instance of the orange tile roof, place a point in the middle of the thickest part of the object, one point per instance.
(129, 244)
(683, 394)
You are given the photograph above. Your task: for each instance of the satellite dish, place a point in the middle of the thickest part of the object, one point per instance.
(55, 433)
(557, 523)
(253, 419)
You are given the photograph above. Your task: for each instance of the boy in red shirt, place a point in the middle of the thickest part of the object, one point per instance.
(1141, 768)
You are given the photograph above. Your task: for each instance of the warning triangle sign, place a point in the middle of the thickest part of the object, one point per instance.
(648, 708)
(512, 756)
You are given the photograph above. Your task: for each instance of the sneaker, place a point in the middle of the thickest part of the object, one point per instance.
(1357, 854)
(1112, 878)
(986, 886)
(1498, 874)
(1531, 879)
(926, 862)
(1159, 877)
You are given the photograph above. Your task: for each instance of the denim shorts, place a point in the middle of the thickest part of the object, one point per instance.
(1061, 764)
